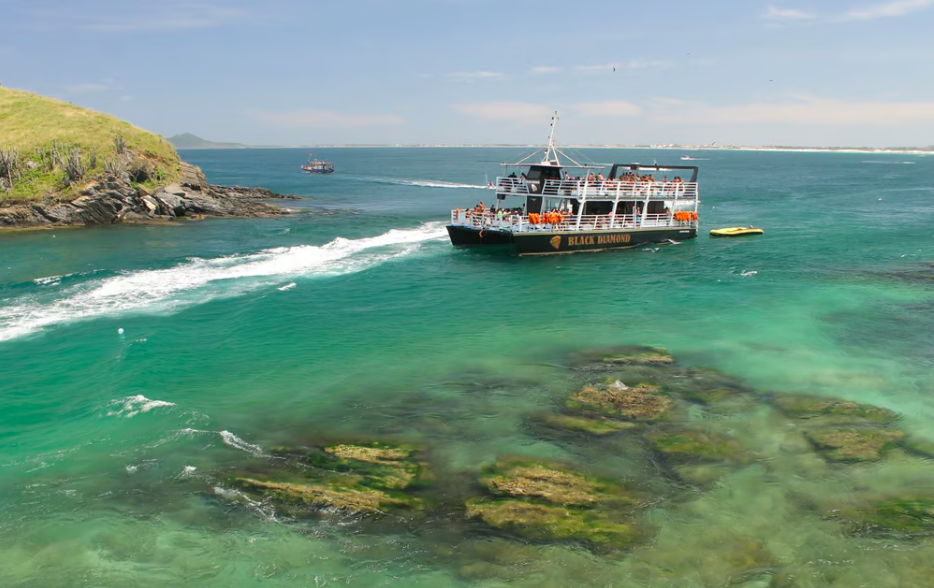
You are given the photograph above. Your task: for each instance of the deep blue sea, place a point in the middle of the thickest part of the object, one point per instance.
(354, 318)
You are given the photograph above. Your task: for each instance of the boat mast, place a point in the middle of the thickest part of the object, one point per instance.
(551, 153)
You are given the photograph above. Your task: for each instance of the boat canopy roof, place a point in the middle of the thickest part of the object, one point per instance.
(617, 168)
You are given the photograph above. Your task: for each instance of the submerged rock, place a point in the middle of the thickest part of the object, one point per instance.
(706, 386)
(547, 502)
(690, 445)
(598, 426)
(919, 446)
(628, 355)
(548, 522)
(530, 479)
(639, 403)
(832, 410)
(358, 500)
(366, 478)
(853, 444)
(903, 515)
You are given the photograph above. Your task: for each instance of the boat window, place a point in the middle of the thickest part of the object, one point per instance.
(598, 207)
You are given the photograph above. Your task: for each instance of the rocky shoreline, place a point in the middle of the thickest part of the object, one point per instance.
(114, 200)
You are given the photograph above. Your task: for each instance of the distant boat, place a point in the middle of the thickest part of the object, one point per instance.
(315, 166)
(688, 158)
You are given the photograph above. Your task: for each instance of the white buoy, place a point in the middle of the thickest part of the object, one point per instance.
(120, 331)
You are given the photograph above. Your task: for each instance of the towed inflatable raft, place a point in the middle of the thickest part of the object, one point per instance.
(736, 231)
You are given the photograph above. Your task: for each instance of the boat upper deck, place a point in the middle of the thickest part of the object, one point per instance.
(603, 189)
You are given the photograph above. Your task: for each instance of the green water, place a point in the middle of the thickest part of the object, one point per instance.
(355, 318)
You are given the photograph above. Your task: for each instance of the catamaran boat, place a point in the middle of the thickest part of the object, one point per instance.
(315, 166)
(548, 209)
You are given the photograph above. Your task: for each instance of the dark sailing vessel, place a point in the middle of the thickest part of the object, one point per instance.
(315, 166)
(546, 210)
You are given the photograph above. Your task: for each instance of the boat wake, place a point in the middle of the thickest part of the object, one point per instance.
(197, 281)
(440, 184)
(430, 184)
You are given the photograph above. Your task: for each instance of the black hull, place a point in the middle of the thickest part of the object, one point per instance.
(551, 243)
(467, 237)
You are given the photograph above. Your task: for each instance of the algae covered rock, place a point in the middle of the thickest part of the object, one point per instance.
(328, 493)
(691, 445)
(546, 501)
(832, 410)
(366, 478)
(642, 402)
(598, 426)
(706, 385)
(853, 444)
(548, 522)
(518, 477)
(618, 356)
(903, 515)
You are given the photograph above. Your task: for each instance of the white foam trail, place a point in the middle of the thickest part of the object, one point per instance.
(200, 280)
(287, 287)
(237, 443)
(133, 405)
(439, 184)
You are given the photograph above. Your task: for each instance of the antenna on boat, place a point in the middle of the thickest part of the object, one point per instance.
(551, 154)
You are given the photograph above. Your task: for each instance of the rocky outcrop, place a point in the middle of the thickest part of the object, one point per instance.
(115, 200)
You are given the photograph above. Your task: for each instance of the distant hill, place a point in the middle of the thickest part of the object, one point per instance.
(189, 141)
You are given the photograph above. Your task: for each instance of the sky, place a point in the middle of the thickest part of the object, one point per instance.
(305, 72)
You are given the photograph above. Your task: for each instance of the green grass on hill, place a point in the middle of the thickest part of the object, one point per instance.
(35, 126)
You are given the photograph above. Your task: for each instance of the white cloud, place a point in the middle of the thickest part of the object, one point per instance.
(798, 109)
(897, 8)
(523, 112)
(608, 108)
(595, 68)
(545, 69)
(774, 13)
(472, 76)
(323, 118)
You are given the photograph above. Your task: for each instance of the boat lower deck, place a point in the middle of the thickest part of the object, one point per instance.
(556, 242)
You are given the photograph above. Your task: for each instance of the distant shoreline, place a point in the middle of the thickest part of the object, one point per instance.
(865, 151)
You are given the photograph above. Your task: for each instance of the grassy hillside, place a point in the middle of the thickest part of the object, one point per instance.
(49, 147)
(189, 141)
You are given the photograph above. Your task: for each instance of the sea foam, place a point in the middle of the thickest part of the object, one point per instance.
(133, 405)
(237, 443)
(201, 280)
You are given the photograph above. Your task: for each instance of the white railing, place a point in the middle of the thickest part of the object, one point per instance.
(517, 223)
(600, 189)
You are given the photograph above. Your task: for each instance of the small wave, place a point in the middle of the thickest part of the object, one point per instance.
(202, 280)
(49, 281)
(237, 443)
(747, 273)
(134, 405)
(287, 287)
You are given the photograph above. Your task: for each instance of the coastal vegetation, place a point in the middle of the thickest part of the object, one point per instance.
(50, 148)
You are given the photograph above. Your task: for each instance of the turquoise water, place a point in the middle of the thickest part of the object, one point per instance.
(355, 317)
